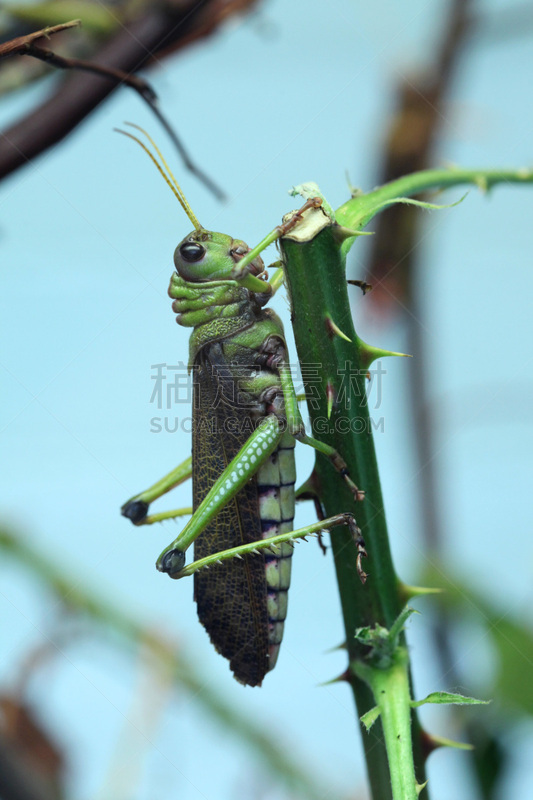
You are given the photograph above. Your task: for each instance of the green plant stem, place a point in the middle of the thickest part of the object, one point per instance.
(317, 286)
(316, 280)
(391, 690)
(358, 211)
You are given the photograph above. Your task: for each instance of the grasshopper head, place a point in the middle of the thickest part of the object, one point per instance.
(202, 256)
(208, 256)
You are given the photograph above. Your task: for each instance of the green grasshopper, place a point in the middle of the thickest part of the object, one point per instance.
(246, 420)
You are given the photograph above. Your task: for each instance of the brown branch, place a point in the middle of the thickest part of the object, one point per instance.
(140, 42)
(117, 75)
(143, 89)
(17, 782)
(21, 43)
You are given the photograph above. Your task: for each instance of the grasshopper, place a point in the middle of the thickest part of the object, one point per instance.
(245, 425)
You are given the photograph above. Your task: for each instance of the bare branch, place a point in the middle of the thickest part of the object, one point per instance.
(160, 30)
(117, 75)
(143, 88)
(22, 43)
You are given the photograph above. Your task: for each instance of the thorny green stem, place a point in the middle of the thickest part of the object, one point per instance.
(316, 280)
(358, 211)
(317, 285)
(391, 691)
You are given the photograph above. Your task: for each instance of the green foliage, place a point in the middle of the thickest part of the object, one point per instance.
(185, 674)
(511, 637)
(449, 698)
(383, 643)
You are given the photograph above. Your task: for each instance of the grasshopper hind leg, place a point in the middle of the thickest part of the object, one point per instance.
(173, 561)
(135, 510)
(137, 507)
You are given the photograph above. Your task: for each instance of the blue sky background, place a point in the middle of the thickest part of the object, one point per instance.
(297, 92)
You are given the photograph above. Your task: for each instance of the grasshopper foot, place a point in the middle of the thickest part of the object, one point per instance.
(135, 510)
(172, 562)
(358, 494)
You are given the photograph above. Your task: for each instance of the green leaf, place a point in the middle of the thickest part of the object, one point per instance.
(384, 643)
(449, 698)
(399, 624)
(359, 210)
(371, 636)
(369, 205)
(410, 201)
(370, 717)
(184, 673)
(511, 637)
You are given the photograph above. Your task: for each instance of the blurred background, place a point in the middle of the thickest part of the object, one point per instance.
(109, 687)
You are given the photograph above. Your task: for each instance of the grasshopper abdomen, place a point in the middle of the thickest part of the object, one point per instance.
(242, 603)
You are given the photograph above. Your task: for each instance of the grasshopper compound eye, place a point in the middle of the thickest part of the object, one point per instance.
(192, 251)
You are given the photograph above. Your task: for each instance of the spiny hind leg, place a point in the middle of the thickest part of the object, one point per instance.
(275, 541)
(258, 448)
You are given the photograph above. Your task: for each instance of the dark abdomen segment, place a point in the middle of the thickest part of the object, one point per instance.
(275, 486)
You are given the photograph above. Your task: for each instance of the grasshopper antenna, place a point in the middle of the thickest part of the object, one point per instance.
(164, 170)
(202, 176)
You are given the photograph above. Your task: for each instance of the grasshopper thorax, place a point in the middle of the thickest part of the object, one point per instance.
(209, 256)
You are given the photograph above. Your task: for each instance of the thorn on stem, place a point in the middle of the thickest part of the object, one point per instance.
(331, 396)
(333, 329)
